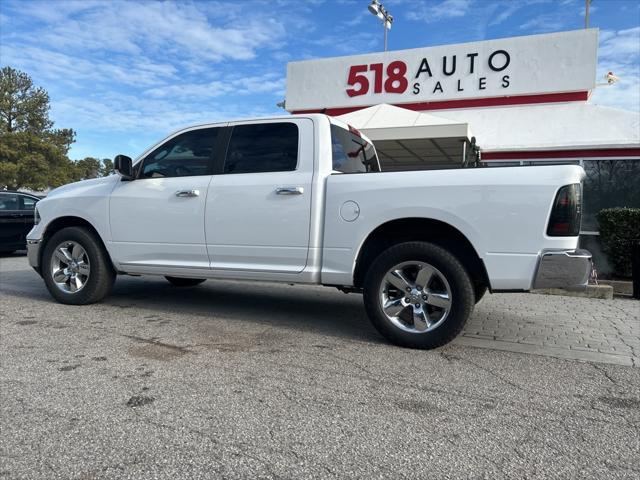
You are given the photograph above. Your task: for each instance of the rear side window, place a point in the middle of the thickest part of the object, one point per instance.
(264, 147)
(185, 155)
(351, 152)
(28, 203)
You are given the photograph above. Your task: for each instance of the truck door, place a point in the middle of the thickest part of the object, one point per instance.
(157, 220)
(259, 205)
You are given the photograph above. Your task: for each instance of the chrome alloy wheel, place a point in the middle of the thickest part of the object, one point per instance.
(70, 267)
(415, 297)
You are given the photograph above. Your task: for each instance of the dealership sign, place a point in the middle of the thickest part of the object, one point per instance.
(533, 65)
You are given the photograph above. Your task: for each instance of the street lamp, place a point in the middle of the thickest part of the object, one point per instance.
(376, 8)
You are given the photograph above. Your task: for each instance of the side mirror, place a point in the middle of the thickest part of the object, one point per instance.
(124, 166)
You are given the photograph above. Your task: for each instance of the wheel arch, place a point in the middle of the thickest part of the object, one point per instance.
(59, 223)
(420, 229)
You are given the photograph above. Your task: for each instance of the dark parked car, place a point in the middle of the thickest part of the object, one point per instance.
(16, 219)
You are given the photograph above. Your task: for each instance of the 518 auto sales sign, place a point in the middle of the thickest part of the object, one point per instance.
(539, 64)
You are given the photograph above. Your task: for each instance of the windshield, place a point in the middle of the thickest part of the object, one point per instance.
(351, 152)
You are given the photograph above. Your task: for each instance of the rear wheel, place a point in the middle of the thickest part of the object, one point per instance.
(184, 282)
(76, 268)
(418, 295)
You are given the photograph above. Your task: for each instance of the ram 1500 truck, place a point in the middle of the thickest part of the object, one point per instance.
(301, 199)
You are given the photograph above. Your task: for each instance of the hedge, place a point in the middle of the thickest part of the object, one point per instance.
(619, 230)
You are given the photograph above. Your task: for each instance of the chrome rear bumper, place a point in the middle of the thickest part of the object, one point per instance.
(567, 269)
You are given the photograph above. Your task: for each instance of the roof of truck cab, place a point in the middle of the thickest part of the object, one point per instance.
(287, 117)
(313, 116)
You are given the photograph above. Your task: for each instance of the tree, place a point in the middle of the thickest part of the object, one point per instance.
(107, 166)
(88, 167)
(32, 154)
(31, 161)
(23, 107)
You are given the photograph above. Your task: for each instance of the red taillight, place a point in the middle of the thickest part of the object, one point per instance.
(566, 213)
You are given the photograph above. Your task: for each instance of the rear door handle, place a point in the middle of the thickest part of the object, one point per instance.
(289, 190)
(188, 193)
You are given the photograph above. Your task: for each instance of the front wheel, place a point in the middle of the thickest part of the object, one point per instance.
(76, 268)
(480, 291)
(418, 295)
(184, 282)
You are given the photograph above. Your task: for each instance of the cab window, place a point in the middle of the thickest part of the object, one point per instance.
(263, 147)
(188, 154)
(352, 153)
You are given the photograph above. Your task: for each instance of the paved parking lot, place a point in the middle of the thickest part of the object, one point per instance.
(159, 382)
(590, 329)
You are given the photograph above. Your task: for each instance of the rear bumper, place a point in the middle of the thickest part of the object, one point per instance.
(33, 253)
(567, 269)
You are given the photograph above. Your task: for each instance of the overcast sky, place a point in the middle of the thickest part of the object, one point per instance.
(125, 74)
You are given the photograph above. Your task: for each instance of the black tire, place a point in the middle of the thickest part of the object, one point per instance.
(185, 282)
(102, 275)
(462, 294)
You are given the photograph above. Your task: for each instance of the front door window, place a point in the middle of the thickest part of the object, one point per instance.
(186, 155)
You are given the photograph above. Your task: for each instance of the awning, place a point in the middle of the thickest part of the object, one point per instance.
(409, 140)
(570, 126)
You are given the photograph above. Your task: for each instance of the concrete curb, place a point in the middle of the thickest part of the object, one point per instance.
(604, 292)
(564, 353)
(620, 287)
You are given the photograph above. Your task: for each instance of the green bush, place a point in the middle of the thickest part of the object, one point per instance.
(619, 231)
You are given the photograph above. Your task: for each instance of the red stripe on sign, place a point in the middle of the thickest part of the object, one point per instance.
(466, 103)
(539, 154)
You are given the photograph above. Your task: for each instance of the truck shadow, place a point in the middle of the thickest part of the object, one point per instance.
(16, 254)
(321, 310)
(313, 309)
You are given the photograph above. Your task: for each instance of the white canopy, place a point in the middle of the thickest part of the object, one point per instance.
(408, 140)
(566, 126)
(386, 122)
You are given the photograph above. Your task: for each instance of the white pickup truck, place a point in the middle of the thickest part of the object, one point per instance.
(301, 199)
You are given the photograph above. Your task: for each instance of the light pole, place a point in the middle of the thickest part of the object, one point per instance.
(376, 8)
(587, 4)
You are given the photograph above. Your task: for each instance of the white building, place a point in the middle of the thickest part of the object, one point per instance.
(524, 99)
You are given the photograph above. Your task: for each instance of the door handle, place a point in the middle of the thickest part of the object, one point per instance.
(289, 190)
(188, 193)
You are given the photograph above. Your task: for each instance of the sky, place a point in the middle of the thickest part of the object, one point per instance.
(124, 74)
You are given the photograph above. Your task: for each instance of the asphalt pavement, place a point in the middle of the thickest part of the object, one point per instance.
(253, 380)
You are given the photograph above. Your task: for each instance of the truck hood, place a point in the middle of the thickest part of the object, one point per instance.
(83, 186)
